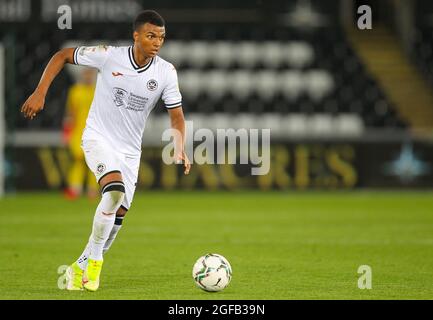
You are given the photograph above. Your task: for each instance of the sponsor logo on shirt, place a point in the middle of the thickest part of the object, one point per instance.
(119, 96)
(129, 100)
(136, 102)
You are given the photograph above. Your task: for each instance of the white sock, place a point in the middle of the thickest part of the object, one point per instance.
(112, 197)
(116, 227)
(82, 260)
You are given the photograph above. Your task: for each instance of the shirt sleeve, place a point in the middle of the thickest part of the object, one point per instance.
(171, 94)
(91, 56)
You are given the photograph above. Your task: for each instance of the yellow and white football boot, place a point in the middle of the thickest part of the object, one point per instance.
(74, 276)
(91, 275)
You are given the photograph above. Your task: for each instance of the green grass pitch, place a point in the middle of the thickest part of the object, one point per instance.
(281, 245)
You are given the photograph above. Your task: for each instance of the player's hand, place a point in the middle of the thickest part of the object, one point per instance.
(182, 157)
(33, 105)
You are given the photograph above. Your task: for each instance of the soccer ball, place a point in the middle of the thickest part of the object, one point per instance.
(212, 272)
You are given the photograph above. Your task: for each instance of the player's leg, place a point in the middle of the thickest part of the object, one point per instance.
(103, 221)
(129, 169)
(105, 164)
(120, 215)
(81, 263)
(113, 193)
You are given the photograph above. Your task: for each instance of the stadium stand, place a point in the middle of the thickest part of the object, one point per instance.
(423, 51)
(305, 82)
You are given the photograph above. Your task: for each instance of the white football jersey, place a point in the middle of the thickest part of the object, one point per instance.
(125, 95)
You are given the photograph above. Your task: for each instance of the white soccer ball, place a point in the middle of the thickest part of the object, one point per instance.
(212, 272)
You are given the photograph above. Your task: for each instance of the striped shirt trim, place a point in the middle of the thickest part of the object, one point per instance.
(173, 105)
(135, 64)
(74, 56)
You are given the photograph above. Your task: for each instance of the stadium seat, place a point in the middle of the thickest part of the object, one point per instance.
(279, 71)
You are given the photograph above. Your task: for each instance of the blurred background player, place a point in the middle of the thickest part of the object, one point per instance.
(80, 96)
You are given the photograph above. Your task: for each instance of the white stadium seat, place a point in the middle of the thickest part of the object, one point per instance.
(222, 53)
(240, 83)
(291, 84)
(190, 83)
(247, 54)
(320, 125)
(298, 54)
(294, 125)
(175, 51)
(215, 83)
(349, 125)
(318, 83)
(266, 84)
(246, 121)
(198, 53)
(272, 54)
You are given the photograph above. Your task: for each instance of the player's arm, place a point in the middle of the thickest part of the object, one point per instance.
(36, 101)
(178, 124)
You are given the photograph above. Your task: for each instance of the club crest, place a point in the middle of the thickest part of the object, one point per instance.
(100, 168)
(152, 84)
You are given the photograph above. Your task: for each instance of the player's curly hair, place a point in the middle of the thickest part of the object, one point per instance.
(148, 16)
